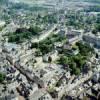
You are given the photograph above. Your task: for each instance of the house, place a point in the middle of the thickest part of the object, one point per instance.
(1, 47)
(96, 78)
(70, 30)
(58, 45)
(62, 33)
(9, 97)
(72, 52)
(68, 75)
(92, 39)
(72, 38)
(50, 56)
(40, 95)
(9, 47)
(2, 23)
(46, 58)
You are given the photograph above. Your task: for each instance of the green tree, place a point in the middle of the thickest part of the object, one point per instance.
(49, 59)
(98, 27)
(63, 60)
(77, 71)
(2, 77)
(94, 31)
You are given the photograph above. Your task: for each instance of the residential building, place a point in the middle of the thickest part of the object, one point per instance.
(92, 39)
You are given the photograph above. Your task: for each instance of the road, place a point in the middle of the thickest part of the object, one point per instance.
(44, 35)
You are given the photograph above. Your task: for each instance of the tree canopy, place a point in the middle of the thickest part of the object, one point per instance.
(2, 77)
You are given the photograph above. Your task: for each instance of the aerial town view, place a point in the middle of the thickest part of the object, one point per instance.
(49, 49)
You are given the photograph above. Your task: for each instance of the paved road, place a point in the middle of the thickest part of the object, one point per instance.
(44, 35)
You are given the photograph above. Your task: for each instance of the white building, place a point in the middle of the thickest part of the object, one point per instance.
(52, 55)
(2, 23)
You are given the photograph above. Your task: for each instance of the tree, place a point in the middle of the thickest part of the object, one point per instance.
(45, 48)
(84, 49)
(94, 31)
(34, 45)
(38, 53)
(63, 60)
(98, 27)
(77, 71)
(49, 59)
(2, 77)
(35, 30)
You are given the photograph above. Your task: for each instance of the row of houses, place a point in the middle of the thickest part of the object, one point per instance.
(92, 39)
